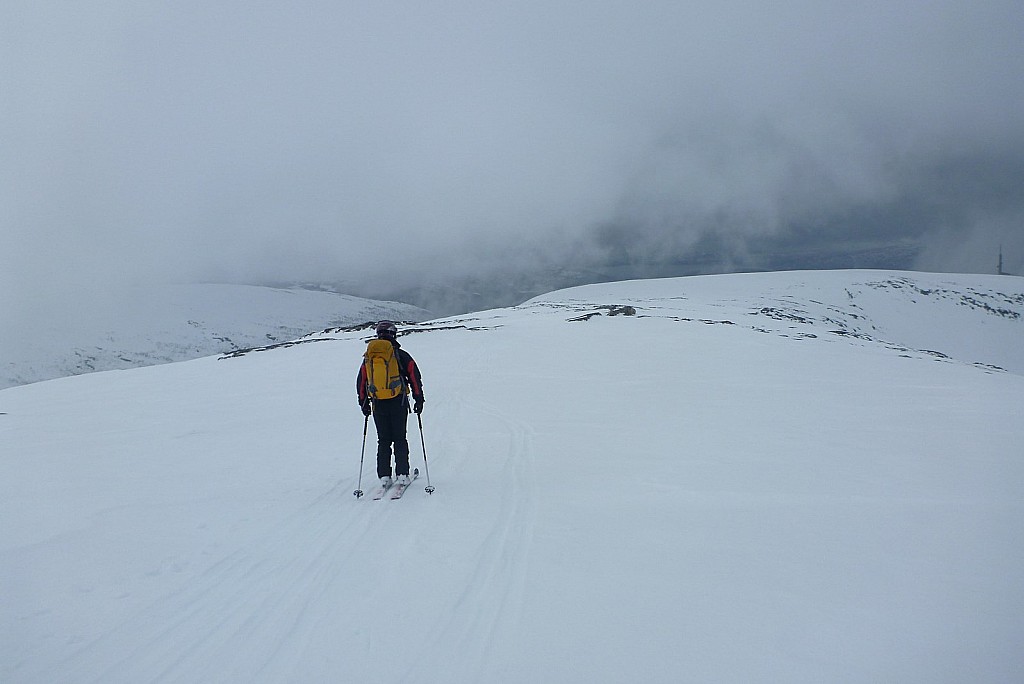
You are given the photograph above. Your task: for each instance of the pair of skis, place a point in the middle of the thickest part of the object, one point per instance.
(394, 491)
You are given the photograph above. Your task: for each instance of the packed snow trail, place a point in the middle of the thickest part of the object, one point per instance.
(792, 489)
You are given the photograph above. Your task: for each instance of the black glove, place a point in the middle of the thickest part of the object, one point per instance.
(418, 406)
(365, 406)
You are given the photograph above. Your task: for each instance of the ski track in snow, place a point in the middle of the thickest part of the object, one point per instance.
(270, 599)
(256, 603)
(486, 611)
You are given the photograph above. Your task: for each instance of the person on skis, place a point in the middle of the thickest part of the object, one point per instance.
(386, 379)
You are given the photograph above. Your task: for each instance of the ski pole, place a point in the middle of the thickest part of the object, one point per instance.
(362, 452)
(430, 488)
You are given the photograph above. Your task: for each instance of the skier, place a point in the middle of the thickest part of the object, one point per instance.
(386, 378)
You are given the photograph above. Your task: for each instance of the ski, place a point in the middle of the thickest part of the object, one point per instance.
(379, 493)
(398, 490)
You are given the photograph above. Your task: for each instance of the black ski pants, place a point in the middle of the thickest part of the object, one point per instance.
(390, 417)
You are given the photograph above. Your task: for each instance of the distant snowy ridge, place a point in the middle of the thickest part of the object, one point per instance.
(963, 318)
(974, 319)
(155, 325)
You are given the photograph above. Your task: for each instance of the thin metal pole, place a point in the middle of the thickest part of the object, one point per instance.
(430, 488)
(362, 452)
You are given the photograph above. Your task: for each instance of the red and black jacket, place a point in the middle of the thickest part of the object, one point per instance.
(410, 372)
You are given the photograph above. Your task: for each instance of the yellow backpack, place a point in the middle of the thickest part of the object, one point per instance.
(383, 376)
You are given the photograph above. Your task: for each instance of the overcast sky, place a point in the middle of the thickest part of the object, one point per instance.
(254, 141)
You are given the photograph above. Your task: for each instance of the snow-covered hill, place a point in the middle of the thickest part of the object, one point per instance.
(143, 326)
(797, 477)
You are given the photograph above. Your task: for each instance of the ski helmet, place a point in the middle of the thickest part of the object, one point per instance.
(387, 330)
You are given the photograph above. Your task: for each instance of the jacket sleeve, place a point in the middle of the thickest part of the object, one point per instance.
(412, 375)
(361, 385)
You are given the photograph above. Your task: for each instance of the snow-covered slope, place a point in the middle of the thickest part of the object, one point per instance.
(797, 477)
(143, 326)
(970, 319)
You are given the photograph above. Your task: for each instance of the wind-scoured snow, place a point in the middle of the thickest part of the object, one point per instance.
(143, 326)
(789, 477)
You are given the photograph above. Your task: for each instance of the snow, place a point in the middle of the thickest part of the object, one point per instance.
(163, 323)
(798, 477)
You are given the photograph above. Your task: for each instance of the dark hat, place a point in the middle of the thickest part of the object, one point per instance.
(387, 330)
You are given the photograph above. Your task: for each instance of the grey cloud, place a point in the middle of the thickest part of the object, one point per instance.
(529, 143)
